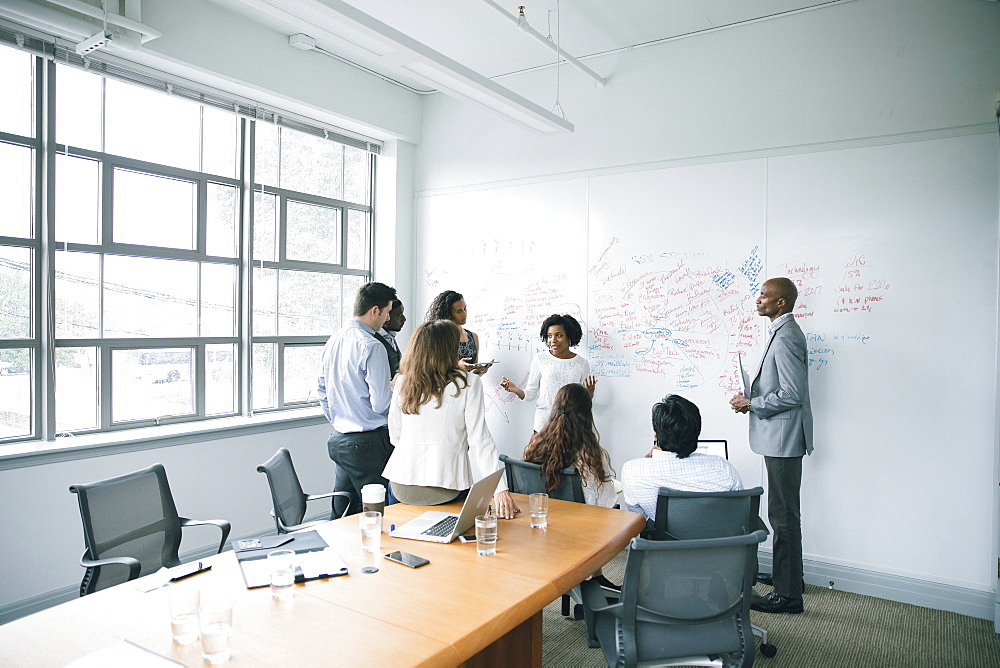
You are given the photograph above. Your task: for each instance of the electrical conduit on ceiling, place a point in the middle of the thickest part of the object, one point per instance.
(145, 31)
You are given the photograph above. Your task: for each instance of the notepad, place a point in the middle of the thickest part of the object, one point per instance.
(314, 559)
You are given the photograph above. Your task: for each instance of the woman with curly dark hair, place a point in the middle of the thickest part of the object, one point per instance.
(569, 438)
(450, 305)
(554, 367)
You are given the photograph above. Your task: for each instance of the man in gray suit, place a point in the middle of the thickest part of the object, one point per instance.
(781, 430)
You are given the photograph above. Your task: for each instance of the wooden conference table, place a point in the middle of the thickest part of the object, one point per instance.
(461, 609)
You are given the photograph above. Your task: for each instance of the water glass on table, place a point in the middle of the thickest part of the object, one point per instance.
(371, 531)
(486, 535)
(216, 623)
(281, 565)
(538, 506)
(184, 600)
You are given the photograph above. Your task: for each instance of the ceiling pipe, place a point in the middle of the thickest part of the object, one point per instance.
(145, 31)
(48, 20)
(522, 25)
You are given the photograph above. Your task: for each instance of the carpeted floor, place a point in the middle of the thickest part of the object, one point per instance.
(837, 629)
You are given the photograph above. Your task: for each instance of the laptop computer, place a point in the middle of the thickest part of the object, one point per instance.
(440, 527)
(710, 447)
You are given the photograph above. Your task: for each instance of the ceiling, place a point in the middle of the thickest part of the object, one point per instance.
(475, 34)
(462, 48)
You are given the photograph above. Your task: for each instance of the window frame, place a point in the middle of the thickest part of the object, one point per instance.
(43, 245)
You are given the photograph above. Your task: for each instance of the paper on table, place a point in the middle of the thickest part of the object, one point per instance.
(314, 565)
(325, 563)
(124, 654)
(153, 581)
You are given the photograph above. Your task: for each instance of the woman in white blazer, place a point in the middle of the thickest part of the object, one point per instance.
(436, 422)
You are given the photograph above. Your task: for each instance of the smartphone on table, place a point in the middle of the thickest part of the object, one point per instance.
(407, 559)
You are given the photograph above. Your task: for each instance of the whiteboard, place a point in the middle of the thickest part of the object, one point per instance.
(893, 248)
(896, 249)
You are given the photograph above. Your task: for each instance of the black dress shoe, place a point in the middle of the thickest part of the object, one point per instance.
(777, 603)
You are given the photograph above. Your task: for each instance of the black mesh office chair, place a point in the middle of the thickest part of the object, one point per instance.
(287, 497)
(695, 515)
(131, 528)
(526, 478)
(684, 601)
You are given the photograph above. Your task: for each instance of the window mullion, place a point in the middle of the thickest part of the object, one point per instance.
(245, 278)
(44, 313)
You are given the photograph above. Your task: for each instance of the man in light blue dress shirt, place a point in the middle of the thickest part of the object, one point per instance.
(354, 393)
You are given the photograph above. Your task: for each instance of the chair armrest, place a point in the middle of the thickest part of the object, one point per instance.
(131, 562)
(594, 598)
(328, 495)
(346, 495)
(299, 527)
(224, 526)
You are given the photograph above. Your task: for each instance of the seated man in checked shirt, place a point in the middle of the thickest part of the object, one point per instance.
(673, 461)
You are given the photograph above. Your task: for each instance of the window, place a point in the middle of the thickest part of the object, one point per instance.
(189, 275)
(308, 260)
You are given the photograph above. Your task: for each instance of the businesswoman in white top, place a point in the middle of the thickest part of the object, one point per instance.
(553, 368)
(436, 422)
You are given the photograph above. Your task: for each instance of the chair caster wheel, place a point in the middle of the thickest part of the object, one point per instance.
(768, 650)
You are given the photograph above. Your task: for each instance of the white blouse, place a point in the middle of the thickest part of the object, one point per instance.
(604, 496)
(433, 446)
(548, 373)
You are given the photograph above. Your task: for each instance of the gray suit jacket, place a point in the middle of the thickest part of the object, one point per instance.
(781, 422)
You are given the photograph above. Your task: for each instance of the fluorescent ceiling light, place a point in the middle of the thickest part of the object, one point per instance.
(495, 97)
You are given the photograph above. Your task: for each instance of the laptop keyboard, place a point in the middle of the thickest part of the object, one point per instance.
(442, 528)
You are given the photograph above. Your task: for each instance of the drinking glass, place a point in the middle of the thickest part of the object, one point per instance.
(216, 623)
(539, 509)
(371, 531)
(486, 535)
(281, 564)
(184, 602)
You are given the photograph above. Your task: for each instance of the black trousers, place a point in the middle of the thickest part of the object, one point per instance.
(360, 457)
(784, 479)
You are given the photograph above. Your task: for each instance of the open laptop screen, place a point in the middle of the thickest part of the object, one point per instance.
(720, 448)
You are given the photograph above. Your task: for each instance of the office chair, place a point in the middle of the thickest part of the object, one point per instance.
(682, 602)
(131, 528)
(526, 478)
(286, 493)
(697, 515)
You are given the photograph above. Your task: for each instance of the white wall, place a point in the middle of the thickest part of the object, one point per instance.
(869, 68)
(855, 74)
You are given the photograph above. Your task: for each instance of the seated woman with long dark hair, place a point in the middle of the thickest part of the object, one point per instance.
(436, 420)
(569, 438)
